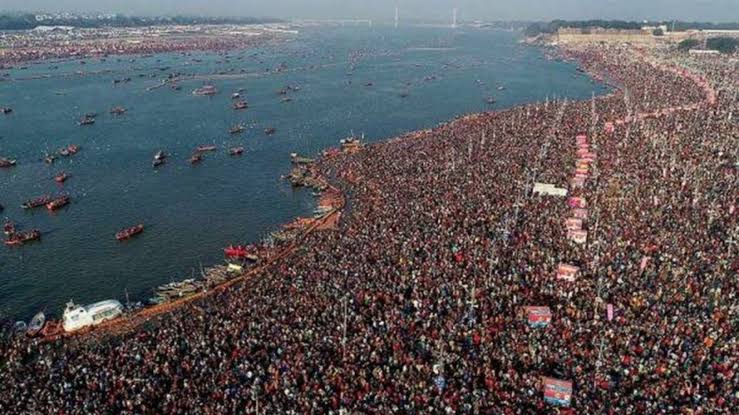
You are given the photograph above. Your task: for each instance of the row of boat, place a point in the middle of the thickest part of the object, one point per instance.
(51, 203)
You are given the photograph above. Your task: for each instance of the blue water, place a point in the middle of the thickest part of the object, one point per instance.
(190, 212)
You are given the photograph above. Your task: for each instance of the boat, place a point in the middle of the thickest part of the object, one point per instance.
(235, 251)
(286, 99)
(37, 202)
(236, 151)
(235, 95)
(490, 100)
(8, 228)
(20, 238)
(69, 150)
(6, 110)
(77, 317)
(20, 327)
(205, 90)
(240, 105)
(237, 129)
(196, 158)
(404, 95)
(157, 162)
(5, 163)
(129, 232)
(160, 155)
(49, 159)
(61, 177)
(36, 325)
(270, 131)
(117, 110)
(58, 203)
(201, 149)
(86, 120)
(282, 91)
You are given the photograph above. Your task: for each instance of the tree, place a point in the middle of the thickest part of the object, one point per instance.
(687, 44)
(725, 45)
(658, 32)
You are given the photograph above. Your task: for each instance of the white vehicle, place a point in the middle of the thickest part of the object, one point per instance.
(77, 316)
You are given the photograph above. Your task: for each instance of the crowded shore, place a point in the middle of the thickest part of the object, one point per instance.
(450, 285)
(55, 43)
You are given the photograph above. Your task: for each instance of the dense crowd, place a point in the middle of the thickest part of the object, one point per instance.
(32, 45)
(415, 304)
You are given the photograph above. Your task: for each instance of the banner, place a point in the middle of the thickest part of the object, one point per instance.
(573, 224)
(557, 391)
(576, 202)
(579, 237)
(538, 316)
(581, 214)
(567, 272)
(549, 189)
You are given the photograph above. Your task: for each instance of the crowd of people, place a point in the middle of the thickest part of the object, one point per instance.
(416, 304)
(17, 47)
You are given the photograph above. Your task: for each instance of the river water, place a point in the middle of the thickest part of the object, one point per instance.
(190, 212)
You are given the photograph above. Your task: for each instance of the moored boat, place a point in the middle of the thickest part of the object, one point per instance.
(240, 105)
(117, 110)
(206, 148)
(160, 155)
(76, 317)
(5, 163)
(36, 325)
(6, 110)
(129, 232)
(270, 130)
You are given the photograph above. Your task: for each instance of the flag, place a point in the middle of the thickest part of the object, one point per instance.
(538, 316)
(557, 391)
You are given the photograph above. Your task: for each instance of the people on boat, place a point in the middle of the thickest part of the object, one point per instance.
(58, 203)
(129, 232)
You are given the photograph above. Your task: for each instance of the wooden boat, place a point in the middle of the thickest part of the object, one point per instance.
(5, 163)
(61, 177)
(129, 233)
(20, 238)
(236, 151)
(86, 120)
(201, 149)
(237, 129)
(196, 158)
(240, 105)
(36, 325)
(58, 203)
(37, 202)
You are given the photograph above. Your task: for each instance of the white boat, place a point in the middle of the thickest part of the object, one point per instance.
(77, 316)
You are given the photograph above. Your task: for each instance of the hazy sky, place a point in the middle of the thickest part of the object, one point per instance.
(712, 10)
